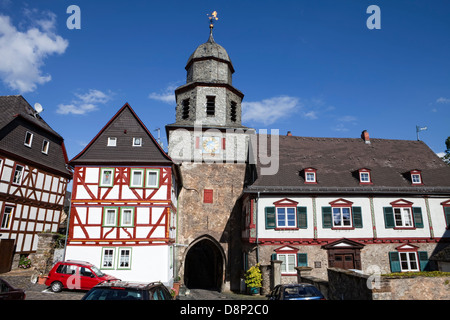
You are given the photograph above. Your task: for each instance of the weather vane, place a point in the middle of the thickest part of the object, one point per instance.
(212, 17)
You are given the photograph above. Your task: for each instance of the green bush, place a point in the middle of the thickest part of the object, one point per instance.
(253, 277)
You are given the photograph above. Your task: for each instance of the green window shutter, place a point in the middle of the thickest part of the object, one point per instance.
(447, 216)
(327, 220)
(357, 217)
(302, 221)
(389, 217)
(273, 256)
(417, 215)
(394, 259)
(270, 218)
(302, 260)
(423, 260)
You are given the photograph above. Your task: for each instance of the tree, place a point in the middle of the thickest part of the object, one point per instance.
(446, 157)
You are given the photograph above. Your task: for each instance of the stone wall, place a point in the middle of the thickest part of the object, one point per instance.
(42, 260)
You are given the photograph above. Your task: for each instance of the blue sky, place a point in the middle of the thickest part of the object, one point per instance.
(309, 67)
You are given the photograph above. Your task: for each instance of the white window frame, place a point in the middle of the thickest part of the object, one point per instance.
(403, 215)
(310, 176)
(112, 142)
(137, 142)
(45, 146)
(7, 218)
(132, 173)
(106, 212)
(147, 182)
(283, 211)
(18, 181)
(110, 265)
(123, 212)
(30, 142)
(102, 172)
(407, 261)
(124, 259)
(291, 259)
(364, 177)
(416, 178)
(340, 212)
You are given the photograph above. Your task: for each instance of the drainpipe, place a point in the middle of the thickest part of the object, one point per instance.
(67, 227)
(256, 228)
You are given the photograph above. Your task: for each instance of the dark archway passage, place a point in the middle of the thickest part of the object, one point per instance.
(204, 266)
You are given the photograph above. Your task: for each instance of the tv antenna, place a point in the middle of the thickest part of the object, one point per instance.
(38, 108)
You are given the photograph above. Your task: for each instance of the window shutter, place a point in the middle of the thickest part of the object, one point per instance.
(447, 216)
(273, 256)
(417, 214)
(423, 259)
(270, 218)
(389, 217)
(357, 217)
(395, 261)
(327, 221)
(302, 221)
(302, 259)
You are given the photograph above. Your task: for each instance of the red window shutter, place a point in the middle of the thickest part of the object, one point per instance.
(197, 142)
(208, 196)
(223, 143)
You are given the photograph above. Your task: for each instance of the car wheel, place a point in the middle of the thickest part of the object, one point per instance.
(56, 286)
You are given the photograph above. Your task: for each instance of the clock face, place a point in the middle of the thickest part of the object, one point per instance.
(210, 145)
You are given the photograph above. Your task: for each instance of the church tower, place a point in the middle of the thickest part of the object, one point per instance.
(209, 144)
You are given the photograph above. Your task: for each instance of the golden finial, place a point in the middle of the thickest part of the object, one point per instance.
(212, 18)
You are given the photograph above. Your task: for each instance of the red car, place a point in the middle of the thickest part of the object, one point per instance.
(79, 275)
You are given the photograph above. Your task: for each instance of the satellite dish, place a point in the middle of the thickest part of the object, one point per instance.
(38, 107)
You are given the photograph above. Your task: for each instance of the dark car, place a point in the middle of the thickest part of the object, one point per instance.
(8, 292)
(301, 291)
(125, 290)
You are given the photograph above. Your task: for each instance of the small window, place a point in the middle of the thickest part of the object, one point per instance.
(28, 139)
(137, 178)
(106, 177)
(364, 177)
(45, 146)
(233, 114)
(152, 179)
(18, 173)
(112, 141)
(416, 177)
(124, 258)
(310, 175)
(126, 217)
(210, 106)
(110, 217)
(185, 105)
(137, 142)
(108, 258)
(6, 217)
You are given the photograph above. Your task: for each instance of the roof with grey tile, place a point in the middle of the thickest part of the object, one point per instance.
(18, 117)
(338, 161)
(124, 126)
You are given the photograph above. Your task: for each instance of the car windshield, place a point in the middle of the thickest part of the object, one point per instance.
(300, 291)
(97, 271)
(113, 294)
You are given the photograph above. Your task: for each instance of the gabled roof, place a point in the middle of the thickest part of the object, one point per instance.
(338, 160)
(124, 125)
(18, 117)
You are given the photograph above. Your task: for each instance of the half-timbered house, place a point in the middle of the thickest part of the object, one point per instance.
(33, 178)
(123, 207)
(368, 204)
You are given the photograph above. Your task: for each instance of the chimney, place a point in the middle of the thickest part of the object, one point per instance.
(365, 136)
(289, 134)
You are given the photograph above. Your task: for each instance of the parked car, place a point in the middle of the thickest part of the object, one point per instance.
(78, 275)
(301, 291)
(125, 290)
(8, 292)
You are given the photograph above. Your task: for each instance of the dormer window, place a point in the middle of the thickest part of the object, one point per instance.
(364, 176)
(416, 177)
(310, 175)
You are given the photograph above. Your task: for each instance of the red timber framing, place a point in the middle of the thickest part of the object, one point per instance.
(37, 201)
(152, 208)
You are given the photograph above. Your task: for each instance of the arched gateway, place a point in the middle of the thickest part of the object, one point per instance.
(204, 265)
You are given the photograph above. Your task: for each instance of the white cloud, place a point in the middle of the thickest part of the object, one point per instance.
(167, 96)
(343, 123)
(85, 103)
(23, 52)
(443, 100)
(270, 110)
